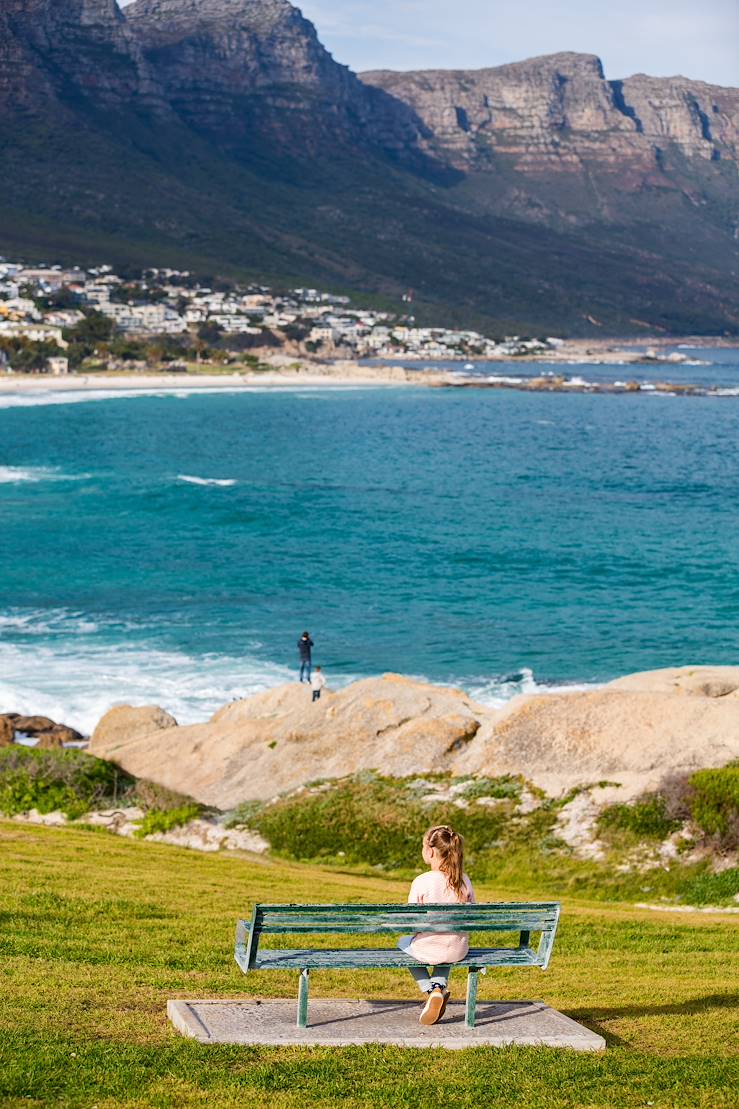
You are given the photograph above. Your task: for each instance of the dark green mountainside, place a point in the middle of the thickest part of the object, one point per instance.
(220, 135)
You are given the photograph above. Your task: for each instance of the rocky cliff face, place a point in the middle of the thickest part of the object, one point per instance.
(559, 112)
(72, 49)
(254, 71)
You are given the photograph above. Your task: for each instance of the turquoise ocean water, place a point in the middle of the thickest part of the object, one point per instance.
(171, 548)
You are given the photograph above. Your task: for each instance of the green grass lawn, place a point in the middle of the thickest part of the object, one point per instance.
(96, 933)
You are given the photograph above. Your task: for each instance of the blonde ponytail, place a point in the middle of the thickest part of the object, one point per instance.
(450, 847)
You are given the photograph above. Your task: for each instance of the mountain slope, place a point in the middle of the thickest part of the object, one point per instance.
(221, 135)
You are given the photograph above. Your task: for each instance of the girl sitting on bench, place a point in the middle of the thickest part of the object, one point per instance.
(444, 884)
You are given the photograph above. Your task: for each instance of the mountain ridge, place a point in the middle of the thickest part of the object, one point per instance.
(536, 196)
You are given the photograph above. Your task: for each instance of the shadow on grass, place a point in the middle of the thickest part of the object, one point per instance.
(592, 1018)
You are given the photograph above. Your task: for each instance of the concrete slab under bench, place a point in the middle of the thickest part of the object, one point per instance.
(338, 1023)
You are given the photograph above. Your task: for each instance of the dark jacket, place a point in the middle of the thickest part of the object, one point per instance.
(304, 646)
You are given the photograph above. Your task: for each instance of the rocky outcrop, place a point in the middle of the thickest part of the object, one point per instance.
(32, 725)
(559, 112)
(631, 736)
(279, 740)
(124, 723)
(49, 741)
(47, 733)
(632, 733)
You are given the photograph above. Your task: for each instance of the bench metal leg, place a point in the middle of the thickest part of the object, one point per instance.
(303, 998)
(471, 1009)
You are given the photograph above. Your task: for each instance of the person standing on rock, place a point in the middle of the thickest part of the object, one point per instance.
(305, 643)
(317, 683)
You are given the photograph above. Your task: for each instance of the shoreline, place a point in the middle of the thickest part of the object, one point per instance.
(340, 377)
(285, 371)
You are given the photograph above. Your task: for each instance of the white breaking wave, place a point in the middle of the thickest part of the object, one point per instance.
(224, 482)
(77, 682)
(497, 691)
(80, 396)
(13, 475)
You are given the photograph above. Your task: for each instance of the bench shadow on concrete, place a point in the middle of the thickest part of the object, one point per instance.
(487, 1013)
(592, 1018)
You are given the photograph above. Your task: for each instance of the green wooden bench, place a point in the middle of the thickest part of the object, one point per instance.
(280, 920)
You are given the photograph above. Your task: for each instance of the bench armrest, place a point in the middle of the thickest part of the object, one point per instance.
(247, 942)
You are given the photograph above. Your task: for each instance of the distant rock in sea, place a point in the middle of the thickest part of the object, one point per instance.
(634, 732)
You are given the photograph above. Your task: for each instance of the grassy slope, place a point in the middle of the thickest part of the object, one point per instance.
(98, 932)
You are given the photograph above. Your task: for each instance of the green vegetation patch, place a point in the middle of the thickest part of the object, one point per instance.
(709, 799)
(373, 823)
(715, 803)
(159, 821)
(377, 821)
(57, 781)
(646, 818)
(74, 783)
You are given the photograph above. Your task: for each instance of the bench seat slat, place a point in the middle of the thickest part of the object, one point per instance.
(368, 958)
(411, 924)
(402, 906)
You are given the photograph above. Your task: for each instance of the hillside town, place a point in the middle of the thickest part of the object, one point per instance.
(59, 320)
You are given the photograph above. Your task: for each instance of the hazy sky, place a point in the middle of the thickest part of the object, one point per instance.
(659, 37)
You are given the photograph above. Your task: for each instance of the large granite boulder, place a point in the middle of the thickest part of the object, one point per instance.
(634, 731)
(124, 724)
(278, 740)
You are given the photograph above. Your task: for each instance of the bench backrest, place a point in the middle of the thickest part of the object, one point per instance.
(523, 917)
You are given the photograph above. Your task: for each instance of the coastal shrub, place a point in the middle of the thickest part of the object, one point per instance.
(164, 821)
(508, 785)
(711, 889)
(244, 814)
(677, 793)
(155, 798)
(369, 819)
(715, 804)
(67, 781)
(645, 818)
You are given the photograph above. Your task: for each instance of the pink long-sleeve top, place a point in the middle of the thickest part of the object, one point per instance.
(437, 948)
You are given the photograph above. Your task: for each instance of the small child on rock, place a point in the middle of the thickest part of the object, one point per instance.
(444, 884)
(317, 682)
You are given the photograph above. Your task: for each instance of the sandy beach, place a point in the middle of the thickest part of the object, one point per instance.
(335, 375)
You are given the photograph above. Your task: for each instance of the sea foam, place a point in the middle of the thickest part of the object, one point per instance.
(77, 682)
